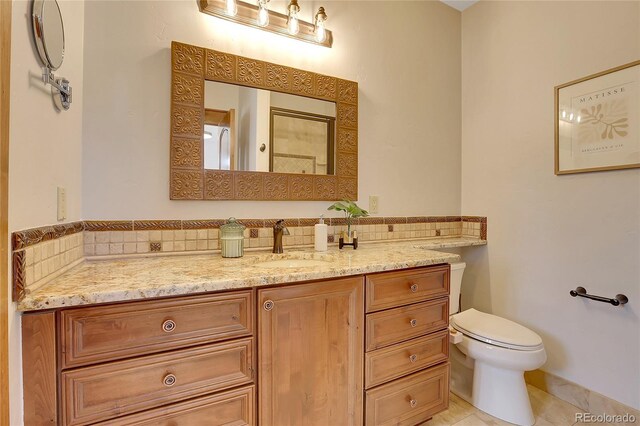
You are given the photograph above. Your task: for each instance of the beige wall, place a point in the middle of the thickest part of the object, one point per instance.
(407, 60)
(45, 147)
(114, 163)
(405, 56)
(549, 233)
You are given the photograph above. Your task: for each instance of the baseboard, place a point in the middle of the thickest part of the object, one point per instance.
(583, 398)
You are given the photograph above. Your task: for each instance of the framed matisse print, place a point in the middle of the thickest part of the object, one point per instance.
(597, 121)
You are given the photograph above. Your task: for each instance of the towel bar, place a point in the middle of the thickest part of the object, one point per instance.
(620, 299)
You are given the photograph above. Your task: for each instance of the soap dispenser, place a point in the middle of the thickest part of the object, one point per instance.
(320, 232)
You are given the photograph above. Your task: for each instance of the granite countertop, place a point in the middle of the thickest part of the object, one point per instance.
(126, 279)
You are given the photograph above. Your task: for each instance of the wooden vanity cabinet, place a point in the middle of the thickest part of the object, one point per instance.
(311, 353)
(407, 343)
(361, 350)
(175, 361)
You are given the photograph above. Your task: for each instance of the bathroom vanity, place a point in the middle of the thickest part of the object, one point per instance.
(366, 343)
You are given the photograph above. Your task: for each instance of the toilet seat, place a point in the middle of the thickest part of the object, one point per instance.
(495, 330)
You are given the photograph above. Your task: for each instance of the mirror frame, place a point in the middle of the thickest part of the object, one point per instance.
(38, 26)
(189, 180)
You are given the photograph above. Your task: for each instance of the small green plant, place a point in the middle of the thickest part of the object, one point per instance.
(351, 211)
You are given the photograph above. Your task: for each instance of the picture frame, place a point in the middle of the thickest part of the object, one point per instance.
(597, 121)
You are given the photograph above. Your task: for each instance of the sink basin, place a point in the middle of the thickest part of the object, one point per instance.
(293, 260)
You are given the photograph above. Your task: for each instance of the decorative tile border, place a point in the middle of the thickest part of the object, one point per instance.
(29, 237)
(108, 225)
(19, 270)
(39, 253)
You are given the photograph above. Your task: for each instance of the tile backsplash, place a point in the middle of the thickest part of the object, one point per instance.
(39, 254)
(42, 261)
(173, 236)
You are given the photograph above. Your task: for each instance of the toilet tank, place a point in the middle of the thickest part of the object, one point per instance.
(455, 282)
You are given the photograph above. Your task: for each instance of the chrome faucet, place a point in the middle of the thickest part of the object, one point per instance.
(278, 231)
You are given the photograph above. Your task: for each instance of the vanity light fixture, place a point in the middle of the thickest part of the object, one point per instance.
(263, 13)
(255, 13)
(292, 21)
(320, 31)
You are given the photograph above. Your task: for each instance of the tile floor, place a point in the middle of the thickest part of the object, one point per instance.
(548, 410)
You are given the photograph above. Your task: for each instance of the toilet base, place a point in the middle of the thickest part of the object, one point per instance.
(501, 393)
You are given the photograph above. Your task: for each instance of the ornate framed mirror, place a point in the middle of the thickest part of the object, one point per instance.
(222, 146)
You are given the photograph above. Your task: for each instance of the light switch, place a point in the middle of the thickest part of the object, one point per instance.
(62, 203)
(373, 204)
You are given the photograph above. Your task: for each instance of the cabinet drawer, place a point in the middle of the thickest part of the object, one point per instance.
(411, 400)
(106, 333)
(100, 392)
(398, 360)
(227, 408)
(392, 289)
(397, 325)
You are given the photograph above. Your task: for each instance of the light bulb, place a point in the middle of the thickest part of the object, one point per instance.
(321, 34)
(579, 118)
(232, 7)
(571, 117)
(292, 22)
(564, 113)
(263, 13)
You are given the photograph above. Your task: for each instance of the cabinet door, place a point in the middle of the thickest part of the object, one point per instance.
(311, 354)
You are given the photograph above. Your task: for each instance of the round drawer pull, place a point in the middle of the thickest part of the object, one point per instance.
(168, 326)
(413, 358)
(413, 403)
(169, 380)
(414, 288)
(413, 322)
(268, 305)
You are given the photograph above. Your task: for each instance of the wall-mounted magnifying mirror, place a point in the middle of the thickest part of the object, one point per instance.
(48, 33)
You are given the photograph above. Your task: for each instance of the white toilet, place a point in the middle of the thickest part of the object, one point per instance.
(489, 356)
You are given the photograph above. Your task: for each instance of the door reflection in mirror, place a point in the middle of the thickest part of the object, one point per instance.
(298, 132)
(219, 139)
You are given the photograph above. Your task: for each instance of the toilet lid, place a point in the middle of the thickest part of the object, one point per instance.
(495, 330)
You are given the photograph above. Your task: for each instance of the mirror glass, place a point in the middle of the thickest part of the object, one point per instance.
(252, 129)
(48, 30)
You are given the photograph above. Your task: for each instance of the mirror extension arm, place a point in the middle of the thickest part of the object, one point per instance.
(61, 88)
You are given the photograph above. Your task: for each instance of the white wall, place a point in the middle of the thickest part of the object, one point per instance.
(221, 95)
(45, 147)
(261, 122)
(405, 56)
(549, 233)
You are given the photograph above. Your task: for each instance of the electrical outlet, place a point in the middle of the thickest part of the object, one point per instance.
(373, 204)
(62, 203)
